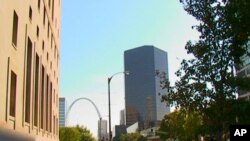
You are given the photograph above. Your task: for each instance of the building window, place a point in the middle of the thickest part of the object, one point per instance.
(13, 94)
(15, 28)
(54, 121)
(44, 15)
(49, 2)
(54, 95)
(43, 45)
(52, 9)
(28, 81)
(37, 32)
(48, 30)
(54, 52)
(38, 4)
(42, 99)
(56, 100)
(36, 90)
(56, 126)
(51, 42)
(30, 13)
(50, 107)
(47, 104)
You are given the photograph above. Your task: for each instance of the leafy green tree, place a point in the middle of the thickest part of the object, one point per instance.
(172, 125)
(192, 125)
(180, 124)
(75, 134)
(208, 82)
(69, 134)
(132, 137)
(85, 134)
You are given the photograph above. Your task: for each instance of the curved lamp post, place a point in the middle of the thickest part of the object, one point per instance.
(109, 80)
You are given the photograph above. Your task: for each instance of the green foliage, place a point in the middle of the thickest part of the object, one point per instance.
(85, 134)
(75, 134)
(208, 83)
(132, 137)
(69, 134)
(180, 124)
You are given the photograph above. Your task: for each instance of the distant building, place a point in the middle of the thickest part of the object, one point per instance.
(62, 112)
(133, 128)
(29, 69)
(122, 117)
(119, 130)
(142, 87)
(244, 71)
(102, 130)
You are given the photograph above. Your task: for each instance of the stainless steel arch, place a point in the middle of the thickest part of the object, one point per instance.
(83, 98)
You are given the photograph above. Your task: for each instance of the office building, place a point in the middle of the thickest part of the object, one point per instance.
(62, 112)
(102, 130)
(142, 87)
(244, 71)
(29, 74)
(118, 131)
(122, 117)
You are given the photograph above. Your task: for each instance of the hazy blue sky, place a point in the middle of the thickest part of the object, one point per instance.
(94, 36)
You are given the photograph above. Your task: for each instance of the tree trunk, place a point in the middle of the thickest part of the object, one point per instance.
(219, 133)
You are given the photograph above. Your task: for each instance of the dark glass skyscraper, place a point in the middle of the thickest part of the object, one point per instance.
(142, 87)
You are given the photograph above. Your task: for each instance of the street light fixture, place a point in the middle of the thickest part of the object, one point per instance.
(109, 80)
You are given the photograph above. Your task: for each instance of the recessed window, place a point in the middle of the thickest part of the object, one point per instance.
(42, 98)
(36, 90)
(50, 107)
(13, 94)
(54, 126)
(48, 30)
(49, 3)
(28, 81)
(47, 104)
(15, 28)
(43, 45)
(37, 32)
(52, 9)
(44, 15)
(54, 52)
(51, 42)
(38, 4)
(30, 13)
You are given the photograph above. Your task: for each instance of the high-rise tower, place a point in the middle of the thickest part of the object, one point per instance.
(142, 87)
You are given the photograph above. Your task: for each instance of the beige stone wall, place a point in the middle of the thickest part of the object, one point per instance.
(14, 58)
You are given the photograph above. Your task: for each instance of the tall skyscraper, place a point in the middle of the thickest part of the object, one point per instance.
(142, 87)
(62, 112)
(29, 74)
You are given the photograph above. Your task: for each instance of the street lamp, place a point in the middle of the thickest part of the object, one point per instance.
(109, 80)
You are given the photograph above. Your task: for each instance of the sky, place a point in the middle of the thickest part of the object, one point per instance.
(94, 36)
